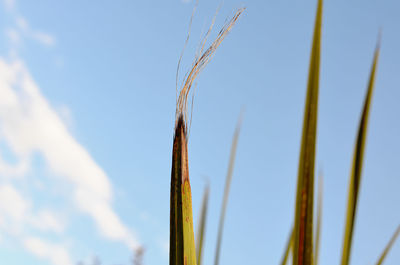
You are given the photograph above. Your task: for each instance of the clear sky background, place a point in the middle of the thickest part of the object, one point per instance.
(87, 108)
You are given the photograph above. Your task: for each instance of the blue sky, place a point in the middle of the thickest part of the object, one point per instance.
(87, 108)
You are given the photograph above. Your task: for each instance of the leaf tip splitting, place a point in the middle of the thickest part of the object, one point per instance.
(180, 148)
(200, 62)
(182, 246)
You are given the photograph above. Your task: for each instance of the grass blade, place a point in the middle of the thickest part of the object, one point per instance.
(356, 170)
(182, 248)
(303, 228)
(226, 190)
(202, 225)
(388, 246)
(289, 246)
(319, 217)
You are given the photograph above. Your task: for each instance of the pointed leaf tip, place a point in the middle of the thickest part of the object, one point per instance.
(303, 227)
(357, 164)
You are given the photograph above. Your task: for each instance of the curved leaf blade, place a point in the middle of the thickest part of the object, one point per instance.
(356, 170)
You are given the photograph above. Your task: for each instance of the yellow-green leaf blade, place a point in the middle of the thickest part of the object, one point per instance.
(189, 250)
(388, 246)
(182, 248)
(356, 170)
(202, 224)
(303, 228)
(289, 246)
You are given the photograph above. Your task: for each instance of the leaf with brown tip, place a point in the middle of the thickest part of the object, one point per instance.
(182, 248)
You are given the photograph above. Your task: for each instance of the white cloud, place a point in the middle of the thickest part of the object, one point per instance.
(9, 4)
(107, 221)
(16, 217)
(25, 29)
(29, 124)
(17, 209)
(22, 24)
(10, 171)
(19, 214)
(22, 30)
(56, 254)
(66, 115)
(44, 38)
(14, 36)
(47, 220)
